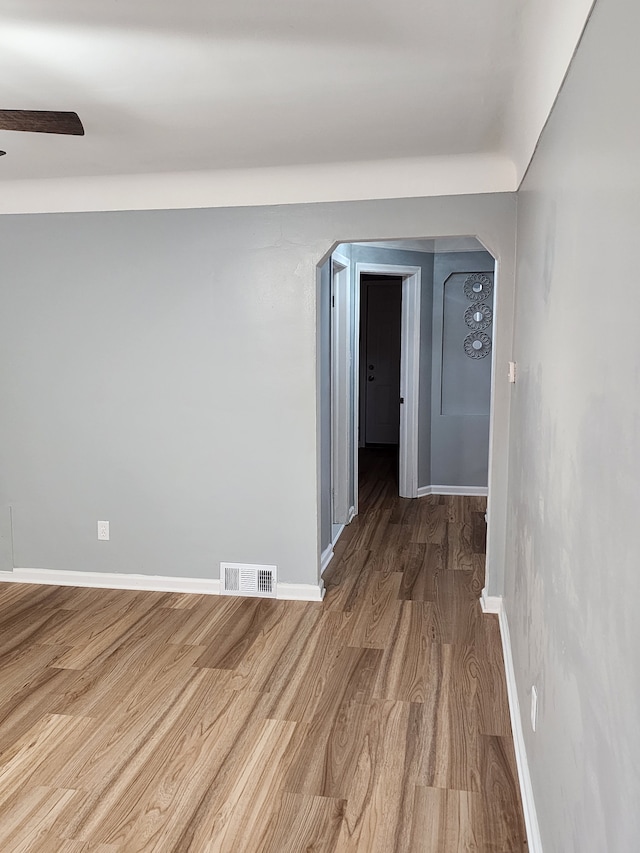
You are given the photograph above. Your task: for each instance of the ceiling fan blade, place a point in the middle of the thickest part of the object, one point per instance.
(41, 121)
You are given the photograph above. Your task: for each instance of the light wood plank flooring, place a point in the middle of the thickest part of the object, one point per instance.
(375, 721)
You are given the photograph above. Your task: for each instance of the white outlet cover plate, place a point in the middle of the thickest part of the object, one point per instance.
(103, 530)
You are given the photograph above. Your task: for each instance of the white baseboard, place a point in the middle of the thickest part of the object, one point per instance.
(494, 604)
(300, 591)
(153, 583)
(326, 557)
(490, 603)
(338, 534)
(327, 554)
(467, 491)
(113, 580)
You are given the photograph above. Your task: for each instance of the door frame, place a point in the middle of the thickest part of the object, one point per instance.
(341, 387)
(409, 371)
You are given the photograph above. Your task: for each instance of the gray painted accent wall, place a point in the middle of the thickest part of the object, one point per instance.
(159, 370)
(573, 577)
(459, 435)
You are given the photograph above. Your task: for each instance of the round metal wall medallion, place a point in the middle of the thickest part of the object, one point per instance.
(477, 286)
(477, 345)
(478, 316)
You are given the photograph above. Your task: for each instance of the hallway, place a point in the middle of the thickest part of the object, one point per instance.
(408, 575)
(375, 721)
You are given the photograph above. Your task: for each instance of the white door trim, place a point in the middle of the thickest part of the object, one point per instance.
(340, 386)
(489, 547)
(355, 382)
(409, 369)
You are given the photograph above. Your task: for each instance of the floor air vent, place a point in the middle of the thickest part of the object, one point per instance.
(247, 579)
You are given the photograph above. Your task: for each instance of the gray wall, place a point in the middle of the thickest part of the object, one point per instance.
(159, 370)
(460, 429)
(573, 581)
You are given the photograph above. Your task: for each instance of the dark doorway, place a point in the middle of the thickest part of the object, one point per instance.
(380, 344)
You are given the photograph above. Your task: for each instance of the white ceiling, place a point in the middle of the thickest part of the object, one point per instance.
(165, 86)
(194, 86)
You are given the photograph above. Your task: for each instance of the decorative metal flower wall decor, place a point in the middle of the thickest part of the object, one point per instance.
(478, 316)
(477, 345)
(478, 286)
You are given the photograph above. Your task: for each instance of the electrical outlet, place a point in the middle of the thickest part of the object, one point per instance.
(103, 530)
(512, 371)
(534, 708)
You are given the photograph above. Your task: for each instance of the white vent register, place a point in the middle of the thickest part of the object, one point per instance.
(248, 579)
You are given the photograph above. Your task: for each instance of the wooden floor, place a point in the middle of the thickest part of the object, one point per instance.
(375, 721)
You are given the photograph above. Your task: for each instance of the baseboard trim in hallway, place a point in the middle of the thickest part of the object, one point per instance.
(326, 557)
(495, 604)
(463, 491)
(151, 583)
(491, 603)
